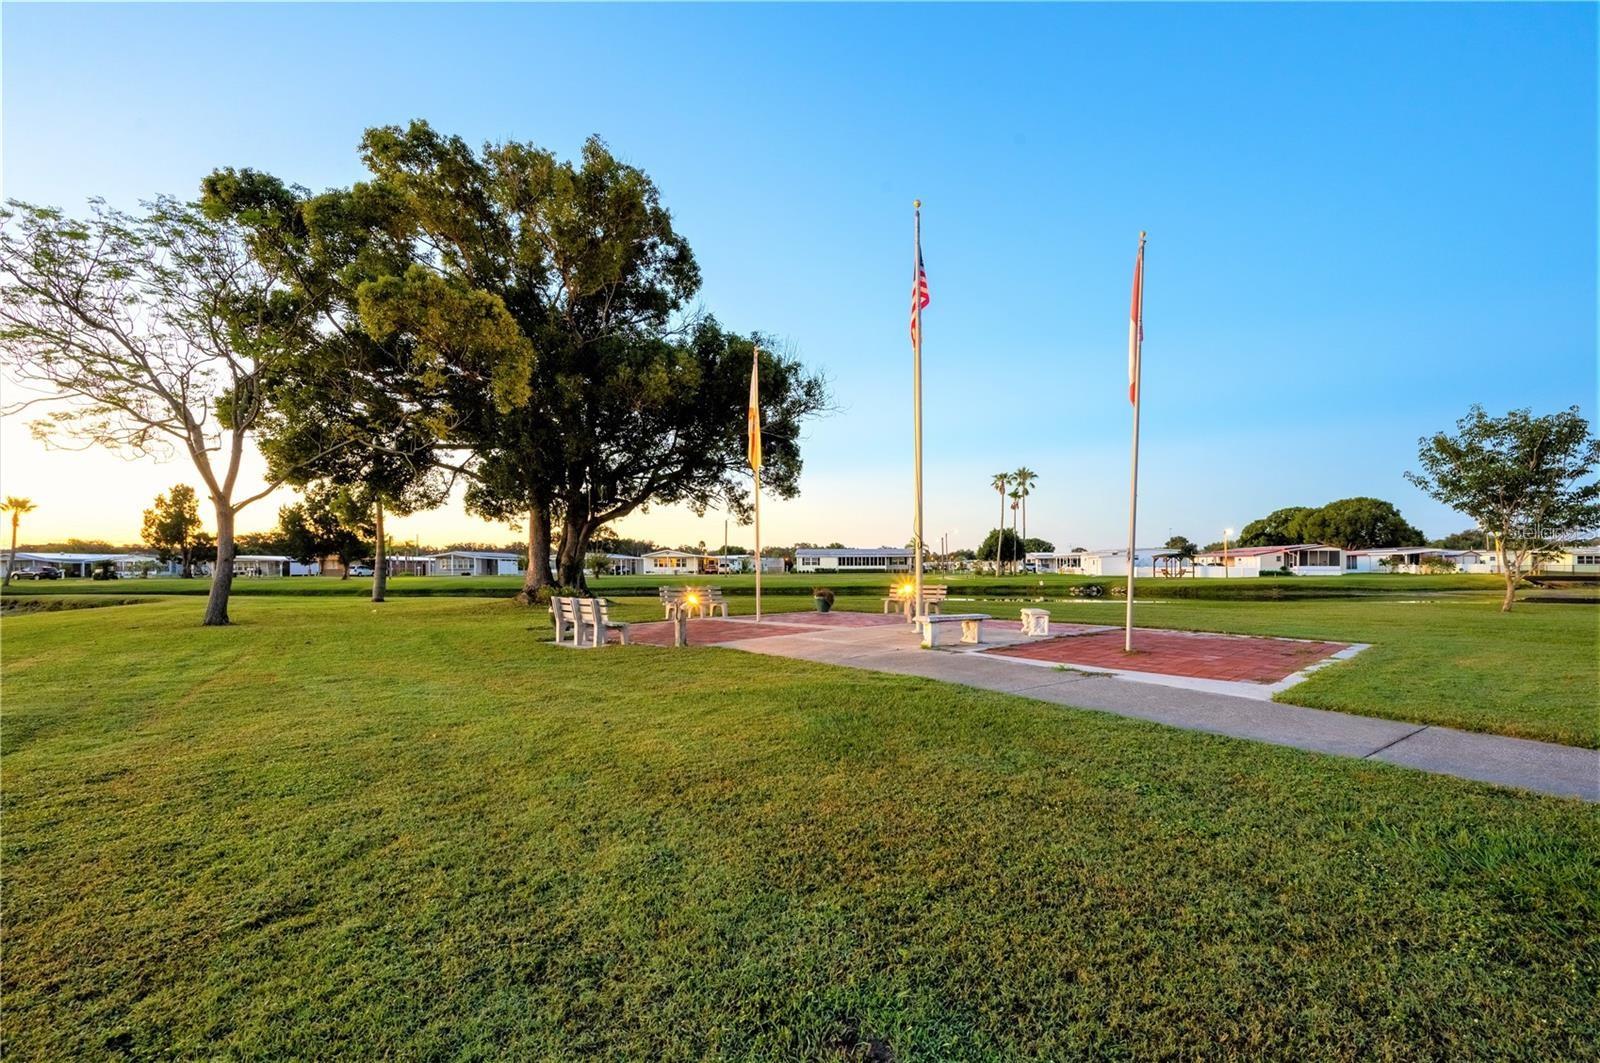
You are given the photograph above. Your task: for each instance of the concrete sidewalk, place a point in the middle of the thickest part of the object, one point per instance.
(1544, 767)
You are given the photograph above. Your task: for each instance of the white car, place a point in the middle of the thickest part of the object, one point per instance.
(360, 570)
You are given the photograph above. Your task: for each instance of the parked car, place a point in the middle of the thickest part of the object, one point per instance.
(43, 572)
(360, 570)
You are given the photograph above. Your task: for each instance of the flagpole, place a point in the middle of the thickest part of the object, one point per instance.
(1136, 329)
(755, 466)
(916, 388)
(758, 544)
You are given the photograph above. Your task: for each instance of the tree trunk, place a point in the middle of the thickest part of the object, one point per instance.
(1506, 571)
(538, 574)
(222, 575)
(569, 561)
(12, 567)
(380, 560)
(188, 561)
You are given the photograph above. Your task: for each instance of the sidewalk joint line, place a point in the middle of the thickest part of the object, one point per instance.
(1397, 741)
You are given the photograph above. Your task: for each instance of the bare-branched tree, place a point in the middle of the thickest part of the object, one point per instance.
(150, 334)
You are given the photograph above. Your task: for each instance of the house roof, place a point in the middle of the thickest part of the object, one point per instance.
(1390, 551)
(74, 559)
(487, 555)
(674, 553)
(261, 557)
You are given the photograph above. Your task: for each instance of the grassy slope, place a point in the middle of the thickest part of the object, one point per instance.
(412, 831)
(1453, 661)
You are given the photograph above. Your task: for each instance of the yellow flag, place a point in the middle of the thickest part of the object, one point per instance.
(755, 412)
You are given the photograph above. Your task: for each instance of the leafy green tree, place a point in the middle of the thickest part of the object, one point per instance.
(15, 506)
(1530, 480)
(1004, 541)
(1185, 551)
(328, 521)
(1281, 527)
(1357, 524)
(398, 355)
(1038, 546)
(1471, 539)
(630, 401)
(172, 526)
(155, 332)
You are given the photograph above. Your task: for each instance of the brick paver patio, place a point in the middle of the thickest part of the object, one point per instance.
(1194, 654)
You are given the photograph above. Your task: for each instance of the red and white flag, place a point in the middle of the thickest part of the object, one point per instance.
(1136, 325)
(919, 297)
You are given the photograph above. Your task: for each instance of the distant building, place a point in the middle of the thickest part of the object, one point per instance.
(271, 565)
(848, 559)
(1098, 562)
(1301, 559)
(476, 563)
(81, 566)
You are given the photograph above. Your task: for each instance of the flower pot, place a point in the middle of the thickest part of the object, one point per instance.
(822, 604)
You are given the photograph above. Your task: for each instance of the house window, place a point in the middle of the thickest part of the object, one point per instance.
(1586, 559)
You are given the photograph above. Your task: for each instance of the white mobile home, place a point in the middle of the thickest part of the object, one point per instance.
(847, 559)
(678, 563)
(271, 565)
(1301, 559)
(624, 565)
(1409, 559)
(1099, 562)
(476, 563)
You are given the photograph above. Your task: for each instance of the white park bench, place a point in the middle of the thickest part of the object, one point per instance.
(593, 616)
(565, 615)
(935, 627)
(676, 600)
(585, 617)
(711, 600)
(933, 596)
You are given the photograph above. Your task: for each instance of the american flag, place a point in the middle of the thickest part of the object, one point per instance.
(919, 298)
(1136, 325)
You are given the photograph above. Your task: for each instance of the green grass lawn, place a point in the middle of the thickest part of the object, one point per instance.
(412, 830)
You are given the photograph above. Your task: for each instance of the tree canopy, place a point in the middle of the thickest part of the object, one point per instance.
(535, 316)
(1530, 480)
(1349, 523)
(172, 526)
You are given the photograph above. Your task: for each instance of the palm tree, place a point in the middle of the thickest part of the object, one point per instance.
(1016, 501)
(1001, 481)
(16, 507)
(1025, 478)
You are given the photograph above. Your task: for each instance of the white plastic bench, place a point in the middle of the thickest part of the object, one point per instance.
(936, 626)
(593, 616)
(933, 596)
(565, 614)
(711, 600)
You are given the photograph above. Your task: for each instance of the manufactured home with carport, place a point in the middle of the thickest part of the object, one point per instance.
(849, 559)
(476, 563)
(1301, 559)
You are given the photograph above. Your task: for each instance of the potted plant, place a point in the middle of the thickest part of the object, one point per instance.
(823, 598)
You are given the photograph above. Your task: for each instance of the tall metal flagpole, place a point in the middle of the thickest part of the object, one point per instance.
(916, 388)
(755, 467)
(1136, 345)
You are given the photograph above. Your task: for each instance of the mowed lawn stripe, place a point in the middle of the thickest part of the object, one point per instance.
(411, 830)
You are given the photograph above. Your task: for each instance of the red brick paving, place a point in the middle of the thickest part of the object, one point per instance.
(1194, 654)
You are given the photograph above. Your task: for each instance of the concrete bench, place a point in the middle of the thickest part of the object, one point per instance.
(936, 627)
(1036, 622)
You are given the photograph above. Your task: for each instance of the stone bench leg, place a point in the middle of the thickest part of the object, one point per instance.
(972, 631)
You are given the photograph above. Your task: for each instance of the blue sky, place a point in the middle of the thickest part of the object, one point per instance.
(1362, 219)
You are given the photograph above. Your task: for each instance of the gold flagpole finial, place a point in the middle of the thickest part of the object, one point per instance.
(916, 204)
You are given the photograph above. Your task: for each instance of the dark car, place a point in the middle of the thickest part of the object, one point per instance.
(42, 572)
